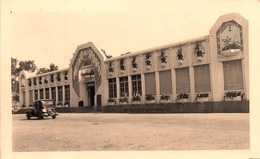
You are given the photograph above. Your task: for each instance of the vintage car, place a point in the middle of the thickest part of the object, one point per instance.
(41, 109)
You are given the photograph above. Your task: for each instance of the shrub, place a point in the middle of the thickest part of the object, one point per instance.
(149, 97)
(165, 97)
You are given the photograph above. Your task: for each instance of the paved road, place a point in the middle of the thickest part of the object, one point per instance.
(87, 132)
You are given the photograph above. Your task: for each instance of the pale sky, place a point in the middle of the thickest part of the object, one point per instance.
(51, 33)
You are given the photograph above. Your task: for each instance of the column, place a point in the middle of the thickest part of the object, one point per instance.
(117, 89)
(49, 92)
(63, 94)
(33, 96)
(56, 90)
(143, 88)
(44, 96)
(173, 85)
(192, 84)
(191, 72)
(130, 88)
(157, 86)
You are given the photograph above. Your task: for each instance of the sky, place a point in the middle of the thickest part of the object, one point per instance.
(51, 33)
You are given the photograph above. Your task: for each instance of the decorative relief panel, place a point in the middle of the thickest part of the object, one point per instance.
(86, 56)
(229, 38)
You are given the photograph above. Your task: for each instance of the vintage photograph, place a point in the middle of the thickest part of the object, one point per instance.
(128, 76)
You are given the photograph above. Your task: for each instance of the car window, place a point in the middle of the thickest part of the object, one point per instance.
(47, 103)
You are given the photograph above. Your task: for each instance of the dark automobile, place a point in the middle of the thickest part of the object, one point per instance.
(41, 109)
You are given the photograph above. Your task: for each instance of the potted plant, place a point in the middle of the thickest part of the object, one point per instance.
(134, 64)
(234, 96)
(150, 98)
(67, 103)
(230, 46)
(59, 104)
(40, 80)
(111, 101)
(110, 69)
(202, 97)
(136, 99)
(199, 50)
(180, 56)
(165, 98)
(123, 100)
(182, 97)
(148, 61)
(46, 80)
(163, 58)
(122, 66)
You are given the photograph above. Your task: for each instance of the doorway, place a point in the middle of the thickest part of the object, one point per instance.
(91, 94)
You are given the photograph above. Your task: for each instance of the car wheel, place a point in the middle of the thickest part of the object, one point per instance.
(40, 116)
(54, 116)
(28, 116)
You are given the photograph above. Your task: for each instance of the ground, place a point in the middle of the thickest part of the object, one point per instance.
(94, 132)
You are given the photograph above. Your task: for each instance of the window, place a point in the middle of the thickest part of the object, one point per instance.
(112, 88)
(67, 93)
(182, 80)
(60, 93)
(202, 78)
(41, 93)
(30, 97)
(165, 82)
(36, 94)
(47, 93)
(53, 93)
(123, 86)
(150, 86)
(233, 75)
(136, 85)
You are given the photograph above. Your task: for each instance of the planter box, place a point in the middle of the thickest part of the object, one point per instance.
(230, 52)
(163, 64)
(199, 58)
(123, 103)
(202, 99)
(182, 100)
(136, 102)
(165, 101)
(238, 98)
(148, 67)
(150, 101)
(111, 103)
(180, 62)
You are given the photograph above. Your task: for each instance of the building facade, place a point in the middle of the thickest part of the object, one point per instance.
(212, 68)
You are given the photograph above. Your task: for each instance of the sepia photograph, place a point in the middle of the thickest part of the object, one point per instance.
(129, 79)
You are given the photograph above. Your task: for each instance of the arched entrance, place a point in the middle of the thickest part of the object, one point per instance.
(88, 80)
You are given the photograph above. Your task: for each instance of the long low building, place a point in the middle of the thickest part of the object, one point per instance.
(212, 68)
